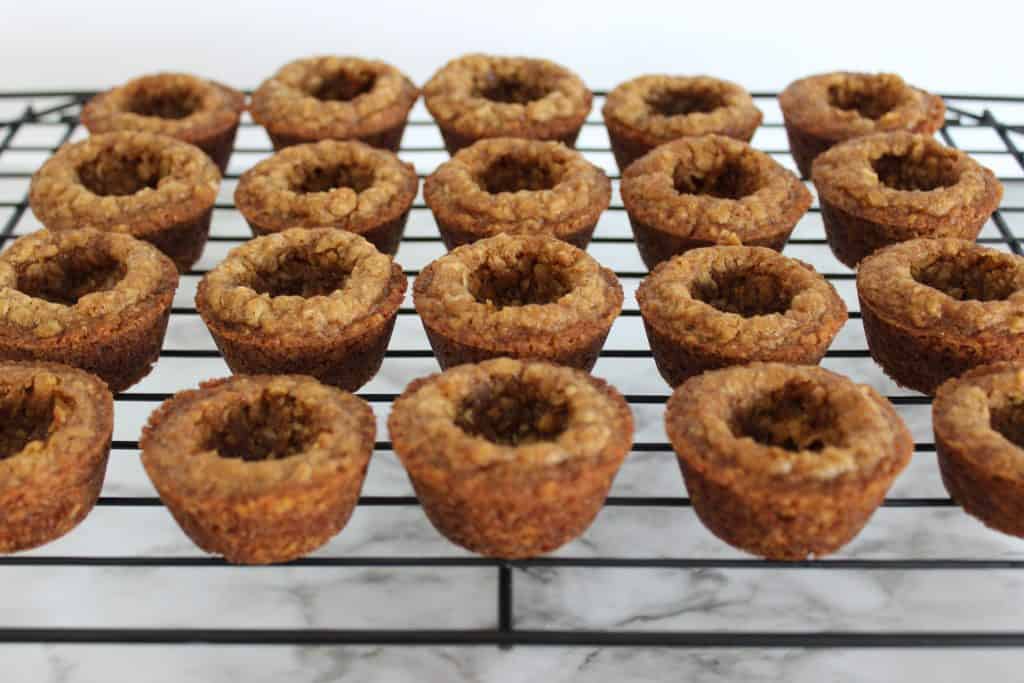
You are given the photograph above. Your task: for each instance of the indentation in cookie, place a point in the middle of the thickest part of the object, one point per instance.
(167, 102)
(299, 273)
(512, 412)
(70, 275)
(744, 291)
(26, 415)
(798, 416)
(264, 426)
(1008, 420)
(969, 276)
(871, 97)
(920, 173)
(344, 86)
(509, 173)
(530, 279)
(727, 180)
(680, 101)
(114, 173)
(327, 177)
(513, 89)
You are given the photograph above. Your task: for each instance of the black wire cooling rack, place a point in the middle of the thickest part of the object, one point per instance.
(34, 124)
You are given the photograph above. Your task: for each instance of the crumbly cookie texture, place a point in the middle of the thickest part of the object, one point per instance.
(513, 184)
(540, 93)
(736, 420)
(967, 410)
(749, 297)
(345, 184)
(842, 105)
(330, 278)
(692, 106)
(485, 288)
(333, 97)
(714, 188)
(900, 174)
(175, 104)
(43, 274)
(430, 413)
(56, 423)
(945, 286)
(300, 433)
(125, 182)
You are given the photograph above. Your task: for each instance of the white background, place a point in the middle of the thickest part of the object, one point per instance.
(968, 47)
(92, 44)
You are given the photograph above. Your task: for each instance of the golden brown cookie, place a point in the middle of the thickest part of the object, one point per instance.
(331, 184)
(721, 306)
(55, 429)
(934, 309)
(648, 111)
(487, 96)
(700, 191)
(517, 186)
(260, 469)
(893, 187)
(318, 302)
(335, 98)
(95, 300)
(979, 435)
(785, 461)
(150, 186)
(194, 110)
(520, 296)
(511, 458)
(821, 110)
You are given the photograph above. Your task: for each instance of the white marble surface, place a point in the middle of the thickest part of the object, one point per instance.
(729, 600)
(205, 664)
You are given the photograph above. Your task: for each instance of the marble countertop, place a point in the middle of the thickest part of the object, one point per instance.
(732, 599)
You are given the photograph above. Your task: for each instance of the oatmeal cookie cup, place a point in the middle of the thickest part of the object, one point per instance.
(517, 186)
(697, 192)
(194, 110)
(785, 461)
(821, 110)
(335, 184)
(55, 429)
(720, 306)
(260, 469)
(517, 295)
(318, 302)
(150, 186)
(648, 111)
(934, 309)
(95, 300)
(509, 458)
(485, 96)
(979, 435)
(335, 98)
(893, 187)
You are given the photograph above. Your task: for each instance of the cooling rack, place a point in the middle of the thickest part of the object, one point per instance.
(646, 573)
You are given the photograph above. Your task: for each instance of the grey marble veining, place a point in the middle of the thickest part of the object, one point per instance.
(207, 664)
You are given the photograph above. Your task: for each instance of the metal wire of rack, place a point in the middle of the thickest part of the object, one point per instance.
(60, 113)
